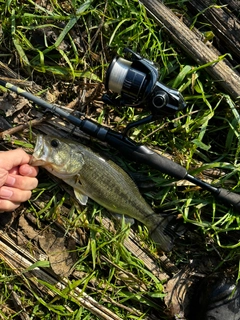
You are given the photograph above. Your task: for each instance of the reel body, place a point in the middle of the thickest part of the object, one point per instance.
(135, 83)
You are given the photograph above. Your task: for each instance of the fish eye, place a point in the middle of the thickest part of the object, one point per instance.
(54, 143)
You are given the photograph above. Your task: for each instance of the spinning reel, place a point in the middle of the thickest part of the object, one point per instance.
(135, 83)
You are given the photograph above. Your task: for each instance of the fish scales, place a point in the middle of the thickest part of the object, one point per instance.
(102, 180)
(114, 187)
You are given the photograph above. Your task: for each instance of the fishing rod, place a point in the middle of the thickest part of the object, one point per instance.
(135, 83)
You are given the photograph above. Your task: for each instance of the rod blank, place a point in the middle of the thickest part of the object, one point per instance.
(129, 148)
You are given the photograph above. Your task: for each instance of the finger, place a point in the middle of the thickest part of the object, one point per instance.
(14, 194)
(21, 182)
(27, 170)
(3, 176)
(7, 205)
(13, 158)
(14, 170)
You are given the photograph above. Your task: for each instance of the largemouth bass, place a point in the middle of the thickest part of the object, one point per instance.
(102, 180)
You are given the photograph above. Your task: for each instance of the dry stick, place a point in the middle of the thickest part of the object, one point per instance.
(193, 46)
(18, 304)
(21, 127)
(233, 5)
(225, 25)
(133, 245)
(21, 261)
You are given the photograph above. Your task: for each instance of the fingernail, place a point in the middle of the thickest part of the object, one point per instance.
(10, 181)
(27, 170)
(5, 193)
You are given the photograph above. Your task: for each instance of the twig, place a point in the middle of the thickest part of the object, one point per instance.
(20, 262)
(194, 47)
(18, 304)
(21, 127)
(135, 248)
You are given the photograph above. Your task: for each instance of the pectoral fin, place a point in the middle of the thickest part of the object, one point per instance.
(75, 182)
(82, 198)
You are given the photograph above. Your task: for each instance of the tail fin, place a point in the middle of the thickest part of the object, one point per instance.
(163, 231)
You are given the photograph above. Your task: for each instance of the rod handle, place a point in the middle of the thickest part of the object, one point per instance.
(229, 197)
(142, 154)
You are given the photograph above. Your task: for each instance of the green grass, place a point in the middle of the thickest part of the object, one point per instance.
(67, 63)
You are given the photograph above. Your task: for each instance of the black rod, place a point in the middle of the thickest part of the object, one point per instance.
(129, 148)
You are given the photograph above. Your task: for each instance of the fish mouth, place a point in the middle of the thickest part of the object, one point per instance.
(38, 158)
(36, 162)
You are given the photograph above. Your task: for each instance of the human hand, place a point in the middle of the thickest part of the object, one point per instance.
(17, 179)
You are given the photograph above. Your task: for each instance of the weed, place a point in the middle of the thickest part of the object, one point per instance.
(65, 48)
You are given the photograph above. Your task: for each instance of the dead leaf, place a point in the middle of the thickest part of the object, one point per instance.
(4, 124)
(11, 104)
(177, 294)
(60, 251)
(27, 229)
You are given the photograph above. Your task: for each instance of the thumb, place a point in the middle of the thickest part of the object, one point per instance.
(3, 176)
